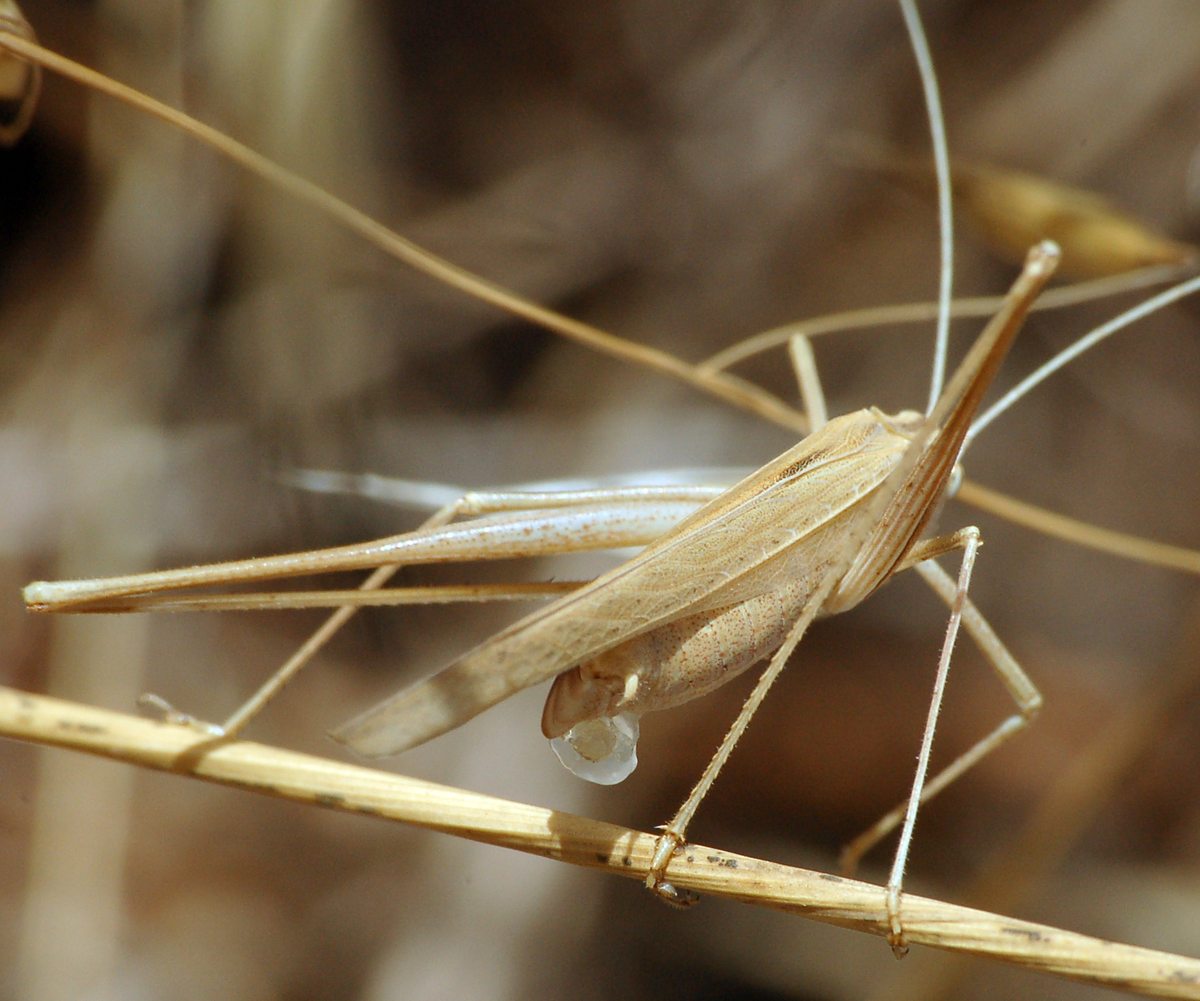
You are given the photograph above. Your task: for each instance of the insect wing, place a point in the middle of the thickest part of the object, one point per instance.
(742, 543)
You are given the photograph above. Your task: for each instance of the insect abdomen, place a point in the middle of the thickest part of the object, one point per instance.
(593, 711)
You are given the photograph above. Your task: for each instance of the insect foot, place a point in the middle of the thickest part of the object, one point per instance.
(669, 843)
(157, 706)
(895, 928)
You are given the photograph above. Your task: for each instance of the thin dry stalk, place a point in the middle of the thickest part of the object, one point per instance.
(20, 82)
(994, 550)
(707, 377)
(1069, 808)
(591, 843)
(726, 387)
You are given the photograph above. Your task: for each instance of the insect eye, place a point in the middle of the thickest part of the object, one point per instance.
(955, 480)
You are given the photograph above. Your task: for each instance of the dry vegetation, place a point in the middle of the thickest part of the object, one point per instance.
(175, 335)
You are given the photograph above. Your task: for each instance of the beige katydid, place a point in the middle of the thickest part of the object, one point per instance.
(771, 533)
(819, 528)
(886, 548)
(823, 585)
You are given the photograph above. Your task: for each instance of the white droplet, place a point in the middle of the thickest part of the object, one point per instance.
(603, 751)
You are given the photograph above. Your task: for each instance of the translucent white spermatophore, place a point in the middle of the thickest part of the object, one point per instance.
(603, 751)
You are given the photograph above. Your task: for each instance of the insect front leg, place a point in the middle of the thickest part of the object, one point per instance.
(1018, 684)
(1022, 690)
(970, 537)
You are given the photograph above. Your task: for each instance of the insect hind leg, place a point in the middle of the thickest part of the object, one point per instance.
(466, 505)
(653, 505)
(248, 710)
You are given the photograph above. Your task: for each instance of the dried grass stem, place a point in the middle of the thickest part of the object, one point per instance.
(585, 842)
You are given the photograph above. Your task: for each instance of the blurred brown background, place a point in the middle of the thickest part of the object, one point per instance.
(176, 336)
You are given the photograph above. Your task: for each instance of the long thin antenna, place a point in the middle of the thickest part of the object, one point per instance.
(941, 166)
(1067, 355)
